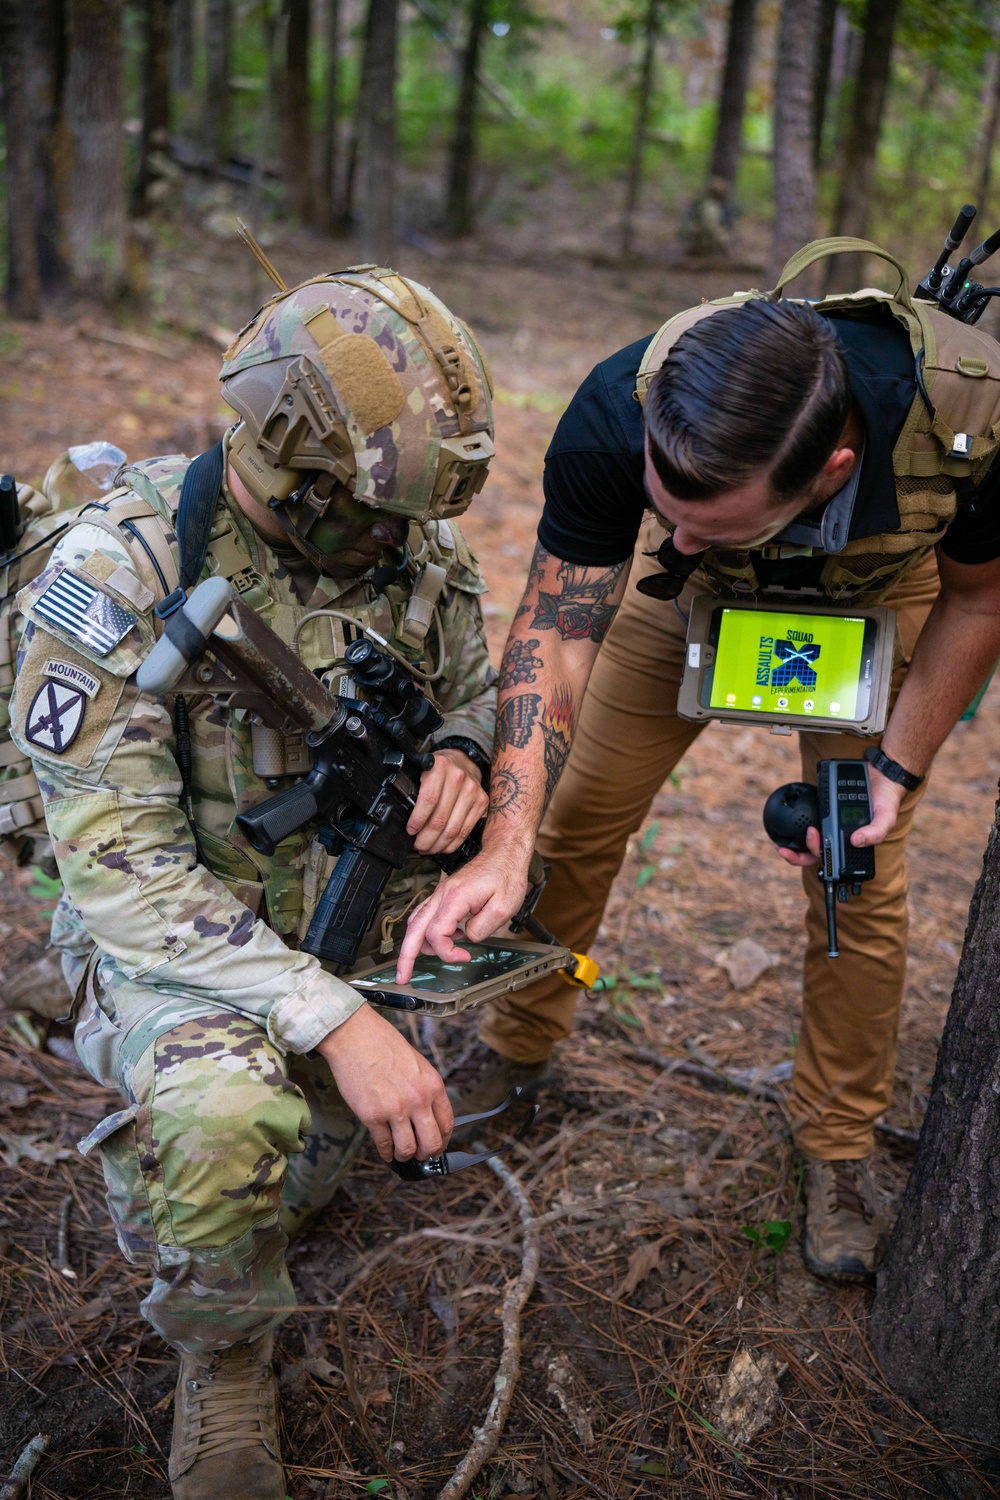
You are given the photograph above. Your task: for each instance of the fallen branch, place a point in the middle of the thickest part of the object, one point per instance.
(20, 1474)
(704, 1073)
(487, 1437)
(62, 1245)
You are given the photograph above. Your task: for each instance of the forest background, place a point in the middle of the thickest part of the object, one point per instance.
(566, 176)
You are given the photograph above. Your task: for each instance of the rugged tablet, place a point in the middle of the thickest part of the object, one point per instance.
(441, 989)
(797, 664)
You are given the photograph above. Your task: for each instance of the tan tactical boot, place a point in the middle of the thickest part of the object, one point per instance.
(225, 1440)
(842, 1241)
(484, 1079)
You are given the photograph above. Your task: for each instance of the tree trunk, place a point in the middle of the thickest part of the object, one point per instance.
(90, 167)
(936, 1320)
(988, 137)
(732, 102)
(462, 163)
(156, 19)
(794, 114)
(182, 46)
(24, 276)
(217, 52)
(295, 112)
(633, 185)
(378, 130)
(327, 210)
(861, 147)
(824, 62)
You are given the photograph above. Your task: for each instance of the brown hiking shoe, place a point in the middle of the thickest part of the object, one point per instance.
(842, 1240)
(225, 1439)
(483, 1079)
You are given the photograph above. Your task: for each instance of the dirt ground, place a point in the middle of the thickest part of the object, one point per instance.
(648, 1285)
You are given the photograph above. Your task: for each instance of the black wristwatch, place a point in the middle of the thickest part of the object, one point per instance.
(875, 756)
(468, 747)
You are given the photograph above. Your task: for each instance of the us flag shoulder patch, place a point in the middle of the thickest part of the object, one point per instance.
(83, 612)
(55, 716)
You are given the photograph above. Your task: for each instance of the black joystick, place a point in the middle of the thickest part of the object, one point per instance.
(789, 812)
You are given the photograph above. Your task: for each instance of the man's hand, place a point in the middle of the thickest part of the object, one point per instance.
(482, 895)
(886, 798)
(393, 1091)
(450, 803)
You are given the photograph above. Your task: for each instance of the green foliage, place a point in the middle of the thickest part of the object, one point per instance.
(45, 889)
(770, 1236)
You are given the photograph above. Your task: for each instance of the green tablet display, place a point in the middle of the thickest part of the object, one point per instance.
(486, 961)
(806, 665)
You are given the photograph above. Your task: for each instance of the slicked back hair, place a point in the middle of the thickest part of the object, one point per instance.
(757, 389)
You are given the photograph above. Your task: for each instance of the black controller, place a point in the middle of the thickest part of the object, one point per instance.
(837, 806)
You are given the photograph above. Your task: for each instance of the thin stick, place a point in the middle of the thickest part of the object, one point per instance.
(17, 1481)
(256, 249)
(487, 1437)
(62, 1245)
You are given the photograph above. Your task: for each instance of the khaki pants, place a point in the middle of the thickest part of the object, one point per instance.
(629, 739)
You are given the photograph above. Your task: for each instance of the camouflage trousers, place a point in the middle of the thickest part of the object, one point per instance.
(224, 1149)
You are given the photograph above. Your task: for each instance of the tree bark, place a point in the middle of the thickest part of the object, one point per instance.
(182, 46)
(90, 167)
(327, 209)
(936, 1320)
(794, 115)
(378, 130)
(861, 147)
(633, 185)
(24, 276)
(156, 19)
(217, 55)
(988, 137)
(732, 102)
(824, 62)
(295, 113)
(462, 163)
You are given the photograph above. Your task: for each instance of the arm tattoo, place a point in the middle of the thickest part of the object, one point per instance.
(506, 791)
(580, 611)
(557, 724)
(538, 560)
(515, 720)
(519, 663)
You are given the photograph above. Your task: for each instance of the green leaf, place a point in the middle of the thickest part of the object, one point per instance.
(644, 876)
(654, 1466)
(605, 982)
(44, 887)
(376, 1486)
(771, 1236)
(649, 837)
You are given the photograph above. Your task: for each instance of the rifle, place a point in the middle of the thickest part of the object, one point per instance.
(366, 755)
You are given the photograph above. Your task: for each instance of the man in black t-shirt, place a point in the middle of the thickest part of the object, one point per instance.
(763, 421)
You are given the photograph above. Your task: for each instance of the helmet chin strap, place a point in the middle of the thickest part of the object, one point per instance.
(301, 543)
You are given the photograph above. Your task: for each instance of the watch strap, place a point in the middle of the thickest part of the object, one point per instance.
(468, 747)
(876, 756)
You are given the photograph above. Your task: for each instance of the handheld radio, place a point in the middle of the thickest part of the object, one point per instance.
(839, 804)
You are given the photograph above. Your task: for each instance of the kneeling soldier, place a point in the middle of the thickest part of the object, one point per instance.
(245, 1063)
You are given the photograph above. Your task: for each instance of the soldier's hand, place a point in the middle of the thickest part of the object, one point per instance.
(482, 895)
(450, 803)
(393, 1091)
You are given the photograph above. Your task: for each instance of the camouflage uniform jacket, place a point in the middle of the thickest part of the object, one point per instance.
(173, 933)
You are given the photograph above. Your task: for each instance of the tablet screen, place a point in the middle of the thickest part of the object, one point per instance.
(777, 662)
(486, 961)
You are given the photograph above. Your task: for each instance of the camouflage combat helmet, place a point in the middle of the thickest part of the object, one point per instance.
(361, 379)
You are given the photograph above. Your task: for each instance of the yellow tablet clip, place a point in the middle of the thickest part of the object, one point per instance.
(584, 972)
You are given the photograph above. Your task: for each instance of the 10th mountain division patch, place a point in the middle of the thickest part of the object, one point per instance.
(55, 716)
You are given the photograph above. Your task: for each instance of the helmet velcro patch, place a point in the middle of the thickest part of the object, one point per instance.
(364, 380)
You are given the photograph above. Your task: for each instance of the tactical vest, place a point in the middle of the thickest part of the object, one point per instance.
(946, 446)
(141, 514)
